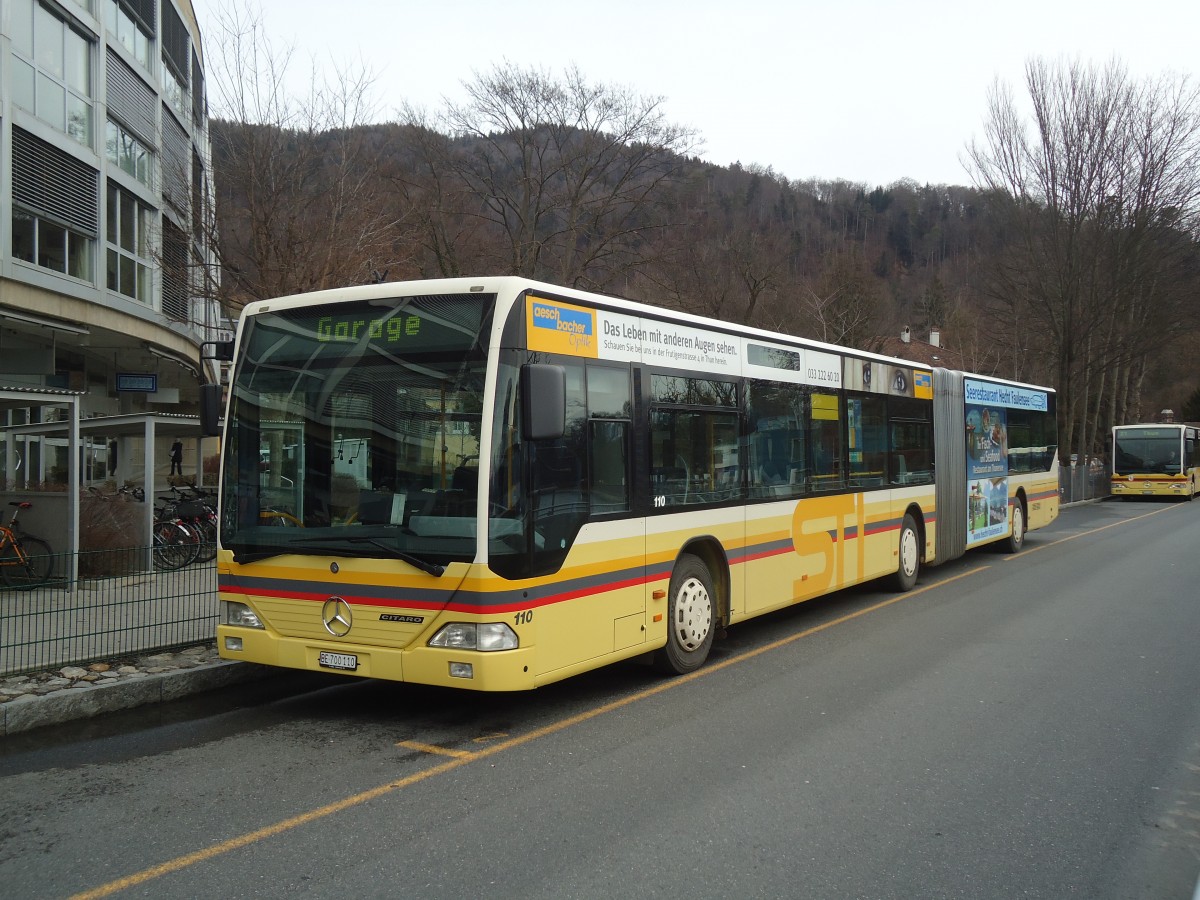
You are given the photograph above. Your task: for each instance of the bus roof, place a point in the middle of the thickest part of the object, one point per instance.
(513, 286)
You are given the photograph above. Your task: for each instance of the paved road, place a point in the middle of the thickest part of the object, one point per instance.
(1016, 727)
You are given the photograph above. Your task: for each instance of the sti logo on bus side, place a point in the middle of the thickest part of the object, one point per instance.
(562, 329)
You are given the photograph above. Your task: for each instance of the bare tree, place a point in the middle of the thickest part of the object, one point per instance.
(447, 236)
(841, 305)
(1098, 206)
(299, 193)
(567, 175)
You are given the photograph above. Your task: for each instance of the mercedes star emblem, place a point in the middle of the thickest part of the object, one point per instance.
(337, 616)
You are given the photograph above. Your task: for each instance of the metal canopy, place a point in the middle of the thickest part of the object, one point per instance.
(18, 397)
(147, 425)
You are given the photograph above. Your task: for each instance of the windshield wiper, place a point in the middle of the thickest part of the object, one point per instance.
(428, 567)
(249, 556)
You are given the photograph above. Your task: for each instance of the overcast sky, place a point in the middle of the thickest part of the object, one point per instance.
(866, 91)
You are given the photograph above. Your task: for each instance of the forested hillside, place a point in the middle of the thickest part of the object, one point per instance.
(1086, 280)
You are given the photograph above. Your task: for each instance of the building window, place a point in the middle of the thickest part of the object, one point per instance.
(174, 91)
(127, 153)
(128, 252)
(50, 245)
(52, 70)
(129, 32)
(175, 41)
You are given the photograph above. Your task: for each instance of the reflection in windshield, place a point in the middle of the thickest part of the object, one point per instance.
(1147, 452)
(362, 416)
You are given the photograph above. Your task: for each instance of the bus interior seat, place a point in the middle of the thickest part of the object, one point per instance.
(465, 479)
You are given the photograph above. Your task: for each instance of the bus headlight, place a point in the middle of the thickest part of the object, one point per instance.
(239, 614)
(471, 636)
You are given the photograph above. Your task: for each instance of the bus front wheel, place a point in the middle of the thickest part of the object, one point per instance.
(905, 578)
(691, 615)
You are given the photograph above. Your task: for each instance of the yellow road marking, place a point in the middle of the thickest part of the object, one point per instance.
(1071, 537)
(435, 749)
(484, 738)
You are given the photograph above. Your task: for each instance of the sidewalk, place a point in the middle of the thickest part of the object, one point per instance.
(80, 692)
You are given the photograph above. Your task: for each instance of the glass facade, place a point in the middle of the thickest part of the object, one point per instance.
(86, 110)
(52, 69)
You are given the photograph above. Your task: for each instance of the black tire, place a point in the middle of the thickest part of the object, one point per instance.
(207, 551)
(33, 570)
(691, 618)
(1016, 540)
(207, 528)
(909, 556)
(174, 546)
(193, 539)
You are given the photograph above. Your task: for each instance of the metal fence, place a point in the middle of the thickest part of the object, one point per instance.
(115, 610)
(1081, 482)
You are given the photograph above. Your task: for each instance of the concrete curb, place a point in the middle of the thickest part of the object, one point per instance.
(36, 711)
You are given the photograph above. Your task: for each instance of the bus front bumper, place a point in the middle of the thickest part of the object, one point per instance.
(1150, 488)
(502, 670)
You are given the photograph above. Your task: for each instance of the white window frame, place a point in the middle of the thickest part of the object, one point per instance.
(118, 140)
(53, 73)
(78, 252)
(140, 256)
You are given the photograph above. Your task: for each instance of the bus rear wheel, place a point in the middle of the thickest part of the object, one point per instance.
(909, 567)
(691, 618)
(1016, 540)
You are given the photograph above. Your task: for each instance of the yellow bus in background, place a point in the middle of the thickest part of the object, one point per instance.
(1156, 461)
(494, 483)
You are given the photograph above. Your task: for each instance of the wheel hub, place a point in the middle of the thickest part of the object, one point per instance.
(693, 614)
(908, 552)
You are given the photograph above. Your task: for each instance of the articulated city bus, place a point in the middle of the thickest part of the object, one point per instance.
(495, 483)
(1156, 461)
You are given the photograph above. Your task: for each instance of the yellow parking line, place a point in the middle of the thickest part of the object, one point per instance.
(1071, 537)
(435, 749)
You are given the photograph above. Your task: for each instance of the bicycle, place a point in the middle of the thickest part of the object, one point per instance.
(194, 512)
(26, 561)
(175, 544)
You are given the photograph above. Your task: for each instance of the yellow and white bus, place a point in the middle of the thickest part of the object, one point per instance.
(495, 483)
(1156, 461)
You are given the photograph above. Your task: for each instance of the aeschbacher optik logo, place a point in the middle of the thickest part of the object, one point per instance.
(559, 319)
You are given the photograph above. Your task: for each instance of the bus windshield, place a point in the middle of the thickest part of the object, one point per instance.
(1142, 451)
(354, 428)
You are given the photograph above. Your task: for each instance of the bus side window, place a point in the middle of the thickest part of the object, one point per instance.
(825, 434)
(609, 408)
(609, 446)
(778, 458)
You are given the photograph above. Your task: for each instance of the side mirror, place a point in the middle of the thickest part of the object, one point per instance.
(544, 398)
(220, 350)
(211, 396)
